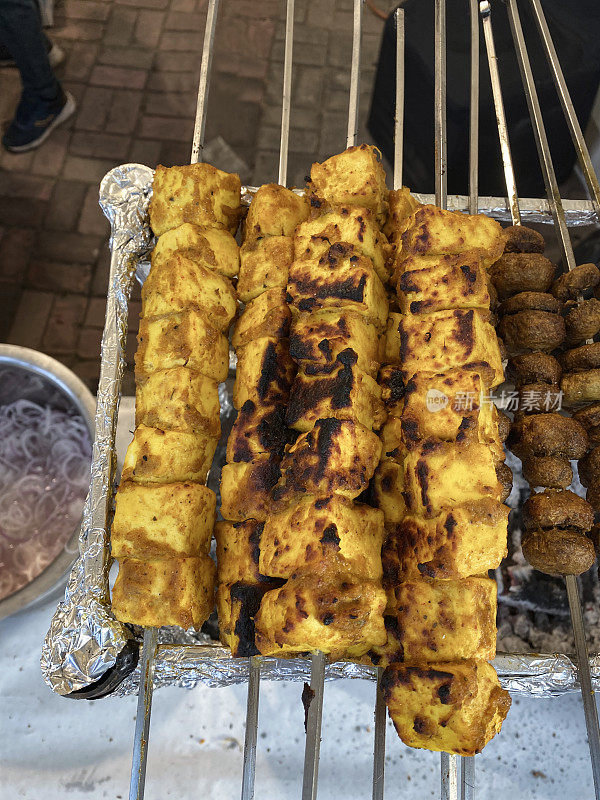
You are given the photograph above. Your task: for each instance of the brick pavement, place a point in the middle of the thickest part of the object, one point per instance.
(133, 66)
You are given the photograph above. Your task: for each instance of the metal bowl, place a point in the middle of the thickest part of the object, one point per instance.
(62, 389)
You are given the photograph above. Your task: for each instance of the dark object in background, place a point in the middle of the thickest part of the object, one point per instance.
(575, 29)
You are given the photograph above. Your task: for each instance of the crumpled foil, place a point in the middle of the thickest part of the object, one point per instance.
(84, 638)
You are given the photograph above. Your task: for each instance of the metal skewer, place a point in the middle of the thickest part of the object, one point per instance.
(313, 726)
(203, 84)
(474, 112)
(142, 719)
(567, 104)
(554, 200)
(353, 101)
(449, 765)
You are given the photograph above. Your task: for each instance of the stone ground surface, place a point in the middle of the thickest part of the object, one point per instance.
(133, 67)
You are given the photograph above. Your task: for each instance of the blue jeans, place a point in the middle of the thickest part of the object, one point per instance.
(22, 36)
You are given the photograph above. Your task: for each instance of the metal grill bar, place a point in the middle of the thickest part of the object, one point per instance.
(203, 84)
(249, 769)
(449, 770)
(142, 719)
(354, 75)
(467, 778)
(313, 726)
(441, 188)
(399, 107)
(379, 742)
(474, 112)
(286, 103)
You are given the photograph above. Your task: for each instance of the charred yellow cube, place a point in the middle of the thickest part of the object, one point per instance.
(446, 620)
(440, 475)
(451, 407)
(339, 390)
(267, 316)
(320, 337)
(183, 339)
(264, 264)
(196, 193)
(213, 248)
(334, 457)
(332, 530)
(257, 430)
(179, 400)
(446, 340)
(392, 440)
(321, 610)
(355, 177)
(237, 603)
(392, 389)
(157, 456)
(448, 708)
(171, 591)
(246, 488)
(238, 551)
(461, 541)
(387, 488)
(402, 205)
(162, 520)
(265, 372)
(275, 211)
(391, 352)
(455, 282)
(355, 226)
(339, 280)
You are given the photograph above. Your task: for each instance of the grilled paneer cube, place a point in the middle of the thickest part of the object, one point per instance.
(267, 316)
(275, 211)
(450, 406)
(449, 620)
(157, 456)
(162, 521)
(435, 231)
(183, 339)
(355, 226)
(321, 337)
(264, 264)
(171, 591)
(392, 340)
(402, 206)
(456, 281)
(354, 177)
(238, 551)
(440, 475)
(334, 457)
(392, 389)
(461, 541)
(321, 610)
(257, 430)
(213, 248)
(447, 339)
(452, 708)
(179, 400)
(237, 603)
(246, 488)
(339, 390)
(179, 283)
(331, 530)
(392, 440)
(387, 491)
(264, 373)
(195, 193)
(339, 279)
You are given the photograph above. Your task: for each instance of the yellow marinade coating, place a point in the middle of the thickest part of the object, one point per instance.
(461, 541)
(452, 708)
(196, 193)
(213, 248)
(162, 520)
(354, 177)
(178, 399)
(267, 316)
(391, 339)
(158, 456)
(238, 551)
(259, 429)
(179, 283)
(172, 591)
(456, 281)
(183, 339)
(402, 206)
(265, 372)
(246, 488)
(274, 211)
(264, 264)
(387, 488)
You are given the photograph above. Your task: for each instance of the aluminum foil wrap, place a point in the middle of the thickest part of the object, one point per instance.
(84, 639)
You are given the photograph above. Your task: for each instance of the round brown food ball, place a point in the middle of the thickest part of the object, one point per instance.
(504, 424)
(551, 472)
(583, 321)
(536, 301)
(538, 398)
(532, 330)
(581, 387)
(534, 368)
(594, 537)
(520, 239)
(570, 285)
(593, 433)
(590, 415)
(593, 495)
(505, 476)
(548, 435)
(557, 508)
(589, 467)
(521, 272)
(581, 358)
(558, 551)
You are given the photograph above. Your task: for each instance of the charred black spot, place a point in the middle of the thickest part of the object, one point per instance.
(420, 725)
(322, 502)
(330, 535)
(272, 373)
(308, 304)
(450, 524)
(444, 693)
(325, 347)
(410, 428)
(406, 283)
(464, 332)
(470, 274)
(327, 619)
(423, 476)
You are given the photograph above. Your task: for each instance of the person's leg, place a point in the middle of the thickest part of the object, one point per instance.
(22, 35)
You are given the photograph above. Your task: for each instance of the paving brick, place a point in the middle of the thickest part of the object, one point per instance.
(172, 104)
(246, 89)
(128, 382)
(81, 31)
(167, 128)
(9, 301)
(175, 153)
(95, 313)
(333, 133)
(144, 3)
(92, 219)
(88, 345)
(145, 151)
(141, 57)
(148, 28)
(266, 9)
(178, 62)
(30, 319)
(265, 166)
(181, 41)
(124, 111)
(62, 328)
(50, 158)
(100, 145)
(26, 186)
(181, 21)
(302, 118)
(172, 82)
(118, 77)
(319, 12)
(245, 37)
(308, 87)
(65, 205)
(101, 273)
(15, 249)
(68, 247)
(88, 371)
(59, 277)
(16, 162)
(90, 170)
(242, 66)
(120, 27)
(94, 109)
(85, 9)
(22, 211)
(133, 318)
